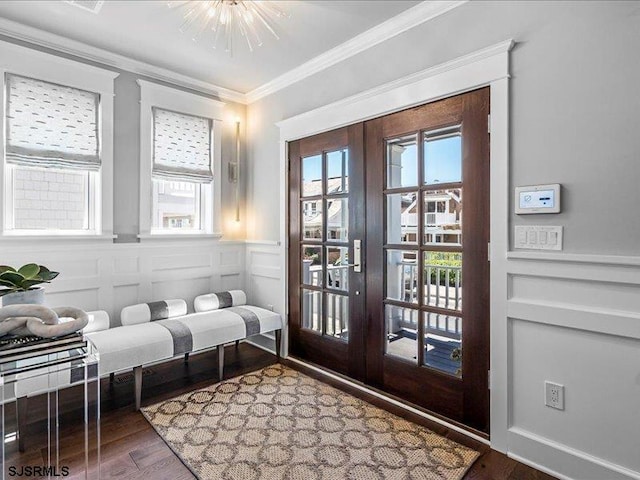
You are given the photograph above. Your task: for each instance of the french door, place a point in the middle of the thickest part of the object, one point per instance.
(326, 231)
(389, 272)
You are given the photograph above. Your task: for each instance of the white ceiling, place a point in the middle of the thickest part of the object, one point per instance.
(148, 31)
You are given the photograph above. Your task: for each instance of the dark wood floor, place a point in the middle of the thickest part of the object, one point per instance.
(131, 449)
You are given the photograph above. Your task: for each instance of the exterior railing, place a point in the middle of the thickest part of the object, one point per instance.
(337, 306)
(442, 288)
(442, 285)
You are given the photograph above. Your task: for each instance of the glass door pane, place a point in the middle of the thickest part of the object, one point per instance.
(422, 279)
(324, 208)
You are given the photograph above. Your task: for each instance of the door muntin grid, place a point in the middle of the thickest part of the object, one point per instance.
(325, 258)
(423, 249)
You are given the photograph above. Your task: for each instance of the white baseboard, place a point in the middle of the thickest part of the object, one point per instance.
(562, 461)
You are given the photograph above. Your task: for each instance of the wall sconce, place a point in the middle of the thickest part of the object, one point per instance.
(234, 171)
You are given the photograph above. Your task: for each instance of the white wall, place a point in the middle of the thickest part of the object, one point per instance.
(100, 275)
(573, 107)
(574, 318)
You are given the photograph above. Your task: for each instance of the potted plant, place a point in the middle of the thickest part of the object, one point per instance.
(21, 286)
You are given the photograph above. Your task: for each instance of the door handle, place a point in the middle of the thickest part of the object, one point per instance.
(357, 256)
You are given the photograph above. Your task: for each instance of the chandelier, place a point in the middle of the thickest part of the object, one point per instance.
(225, 19)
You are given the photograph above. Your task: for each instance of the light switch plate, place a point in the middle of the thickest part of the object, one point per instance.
(537, 237)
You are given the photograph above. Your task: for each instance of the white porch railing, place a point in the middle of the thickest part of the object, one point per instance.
(442, 285)
(336, 309)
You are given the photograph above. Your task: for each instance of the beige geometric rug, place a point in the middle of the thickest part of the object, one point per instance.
(277, 423)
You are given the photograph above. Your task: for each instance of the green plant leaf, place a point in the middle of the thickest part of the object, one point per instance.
(6, 283)
(6, 268)
(30, 270)
(27, 284)
(47, 274)
(14, 277)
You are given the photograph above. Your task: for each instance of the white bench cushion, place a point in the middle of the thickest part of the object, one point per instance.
(131, 346)
(216, 327)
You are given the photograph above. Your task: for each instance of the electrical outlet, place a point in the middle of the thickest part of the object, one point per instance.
(554, 395)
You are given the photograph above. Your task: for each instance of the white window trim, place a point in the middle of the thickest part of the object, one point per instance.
(27, 62)
(155, 95)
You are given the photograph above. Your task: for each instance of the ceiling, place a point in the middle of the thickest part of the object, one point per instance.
(148, 31)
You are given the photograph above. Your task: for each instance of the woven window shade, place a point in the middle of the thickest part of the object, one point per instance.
(50, 125)
(181, 146)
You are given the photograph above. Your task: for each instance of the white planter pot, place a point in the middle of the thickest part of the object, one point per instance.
(35, 296)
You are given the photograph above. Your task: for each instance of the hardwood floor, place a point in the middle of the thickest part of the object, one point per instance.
(132, 450)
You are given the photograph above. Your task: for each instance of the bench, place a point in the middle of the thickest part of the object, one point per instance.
(160, 331)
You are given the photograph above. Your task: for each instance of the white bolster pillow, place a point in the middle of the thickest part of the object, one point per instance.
(215, 301)
(152, 311)
(98, 321)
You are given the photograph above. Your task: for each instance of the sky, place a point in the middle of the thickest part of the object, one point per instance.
(442, 163)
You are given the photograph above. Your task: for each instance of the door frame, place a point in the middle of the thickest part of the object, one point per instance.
(485, 67)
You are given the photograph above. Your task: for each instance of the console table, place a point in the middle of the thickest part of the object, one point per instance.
(36, 368)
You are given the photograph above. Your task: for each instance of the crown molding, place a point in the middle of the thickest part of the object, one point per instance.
(59, 43)
(402, 22)
(406, 20)
(499, 68)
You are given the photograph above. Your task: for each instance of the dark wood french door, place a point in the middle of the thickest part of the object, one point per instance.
(326, 230)
(409, 312)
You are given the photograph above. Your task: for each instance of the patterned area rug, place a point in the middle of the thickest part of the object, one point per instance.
(277, 423)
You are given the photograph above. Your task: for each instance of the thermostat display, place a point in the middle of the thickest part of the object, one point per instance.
(538, 199)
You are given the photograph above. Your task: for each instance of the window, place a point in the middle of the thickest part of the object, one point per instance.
(180, 158)
(311, 209)
(182, 173)
(52, 157)
(56, 157)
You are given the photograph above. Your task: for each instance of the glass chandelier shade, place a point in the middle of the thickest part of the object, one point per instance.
(225, 19)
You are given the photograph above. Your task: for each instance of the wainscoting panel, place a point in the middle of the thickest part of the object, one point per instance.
(576, 323)
(181, 261)
(76, 297)
(97, 274)
(124, 295)
(126, 265)
(231, 281)
(265, 284)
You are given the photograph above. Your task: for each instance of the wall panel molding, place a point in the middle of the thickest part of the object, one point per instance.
(109, 277)
(589, 299)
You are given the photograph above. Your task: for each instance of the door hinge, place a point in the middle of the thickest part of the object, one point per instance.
(489, 123)
(489, 379)
(489, 252)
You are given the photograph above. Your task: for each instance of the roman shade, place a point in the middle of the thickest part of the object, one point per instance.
(50, 125)
(181, 146)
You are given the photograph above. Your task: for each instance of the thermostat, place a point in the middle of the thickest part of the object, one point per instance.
(538, 199)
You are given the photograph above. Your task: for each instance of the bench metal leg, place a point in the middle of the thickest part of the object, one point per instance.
(22, 422)
(137, 385)
(237, 344)
(220, 362)
(278, 343)
(112, 377)
(186, 357)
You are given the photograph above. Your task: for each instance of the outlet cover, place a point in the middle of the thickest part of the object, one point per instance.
(554, 395)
